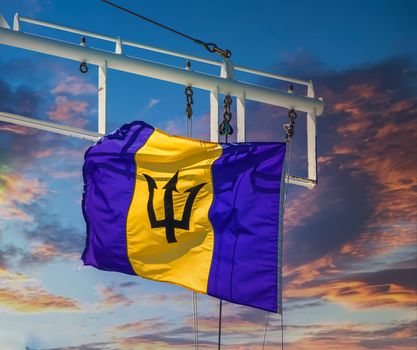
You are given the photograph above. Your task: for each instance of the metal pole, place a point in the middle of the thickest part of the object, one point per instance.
(241, 118)
(102, 97)
(47, 126)
(311, 138)
(214, 115)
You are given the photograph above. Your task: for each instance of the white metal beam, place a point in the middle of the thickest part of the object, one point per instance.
(241, 118)
(311, 138)
(214, 115)
(94, 136)
(47, 126)
(225, 84)
(102, 97)
(158, 71)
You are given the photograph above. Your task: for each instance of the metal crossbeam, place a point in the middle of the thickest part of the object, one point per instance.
(216, 85)
(47, 126)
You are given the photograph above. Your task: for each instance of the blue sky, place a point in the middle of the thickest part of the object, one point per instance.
(350, 245)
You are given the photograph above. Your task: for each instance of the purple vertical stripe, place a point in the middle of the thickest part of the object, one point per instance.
(245, 218)
(109, 181)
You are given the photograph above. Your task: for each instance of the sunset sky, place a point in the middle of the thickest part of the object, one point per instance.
(350, 244)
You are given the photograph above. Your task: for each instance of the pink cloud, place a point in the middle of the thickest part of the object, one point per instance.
(65, 109)
(16, 190)
(48, 252)
(111, 298)
(22, 294)
(15, 129)
(74, 86)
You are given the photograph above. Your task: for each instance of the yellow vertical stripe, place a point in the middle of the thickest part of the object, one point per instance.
(187, 261)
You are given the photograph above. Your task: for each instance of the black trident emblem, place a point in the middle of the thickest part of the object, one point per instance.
(170, 223)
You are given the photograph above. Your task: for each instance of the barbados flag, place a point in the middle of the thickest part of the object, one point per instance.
(202, 215)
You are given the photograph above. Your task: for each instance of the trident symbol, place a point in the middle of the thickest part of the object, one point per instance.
(170, 223)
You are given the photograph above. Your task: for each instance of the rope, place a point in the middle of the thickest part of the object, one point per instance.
(289, 133)
(266, 327)
(289, 128)
(224, 129)
(189, 124)
(211, 47)
(220, 323)
(195, 321)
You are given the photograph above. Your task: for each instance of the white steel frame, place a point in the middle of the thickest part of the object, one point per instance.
(223, 84)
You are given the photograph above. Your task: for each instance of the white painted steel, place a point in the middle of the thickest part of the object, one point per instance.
(214, 115)
(159, 71)
(240, 118)
(300, 181)
(271, 75)
(102, 97)
(94, 136)
(227, 69)
(3, 22)
(311, 138)
(16, 23)
(47, 126)
(171, 53)
(119, 46)
(225, 84)
(65, 28)
(118, 41)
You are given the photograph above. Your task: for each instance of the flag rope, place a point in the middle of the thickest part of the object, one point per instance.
(220, 324)
(289, 133)
(189, 132)
(195, 321)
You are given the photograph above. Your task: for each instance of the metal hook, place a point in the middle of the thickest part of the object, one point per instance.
(83, 41)
(83, 67)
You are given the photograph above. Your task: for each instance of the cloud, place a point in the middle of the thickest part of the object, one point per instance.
(111, 299)
(74, 86)
(25, 295)
(361, 215)
(141, 326)
(384, 289)
(200, 127)
(15, 129)
(356, 336)
(65, 109)
(35, 299)
(8, 252)
(20, 99)
(47, 230)
(41, 253)
(152, 102)
(17, 191)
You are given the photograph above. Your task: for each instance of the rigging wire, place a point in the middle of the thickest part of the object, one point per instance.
(289, 133)
(220, 323)
(189, 126)
(195, 321)
(211, 47)
(266, 327)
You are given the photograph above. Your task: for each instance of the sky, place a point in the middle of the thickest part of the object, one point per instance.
(350, 245)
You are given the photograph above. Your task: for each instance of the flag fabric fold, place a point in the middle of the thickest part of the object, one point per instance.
(202, 215)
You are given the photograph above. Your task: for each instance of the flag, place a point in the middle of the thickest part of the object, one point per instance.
(202, 215)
